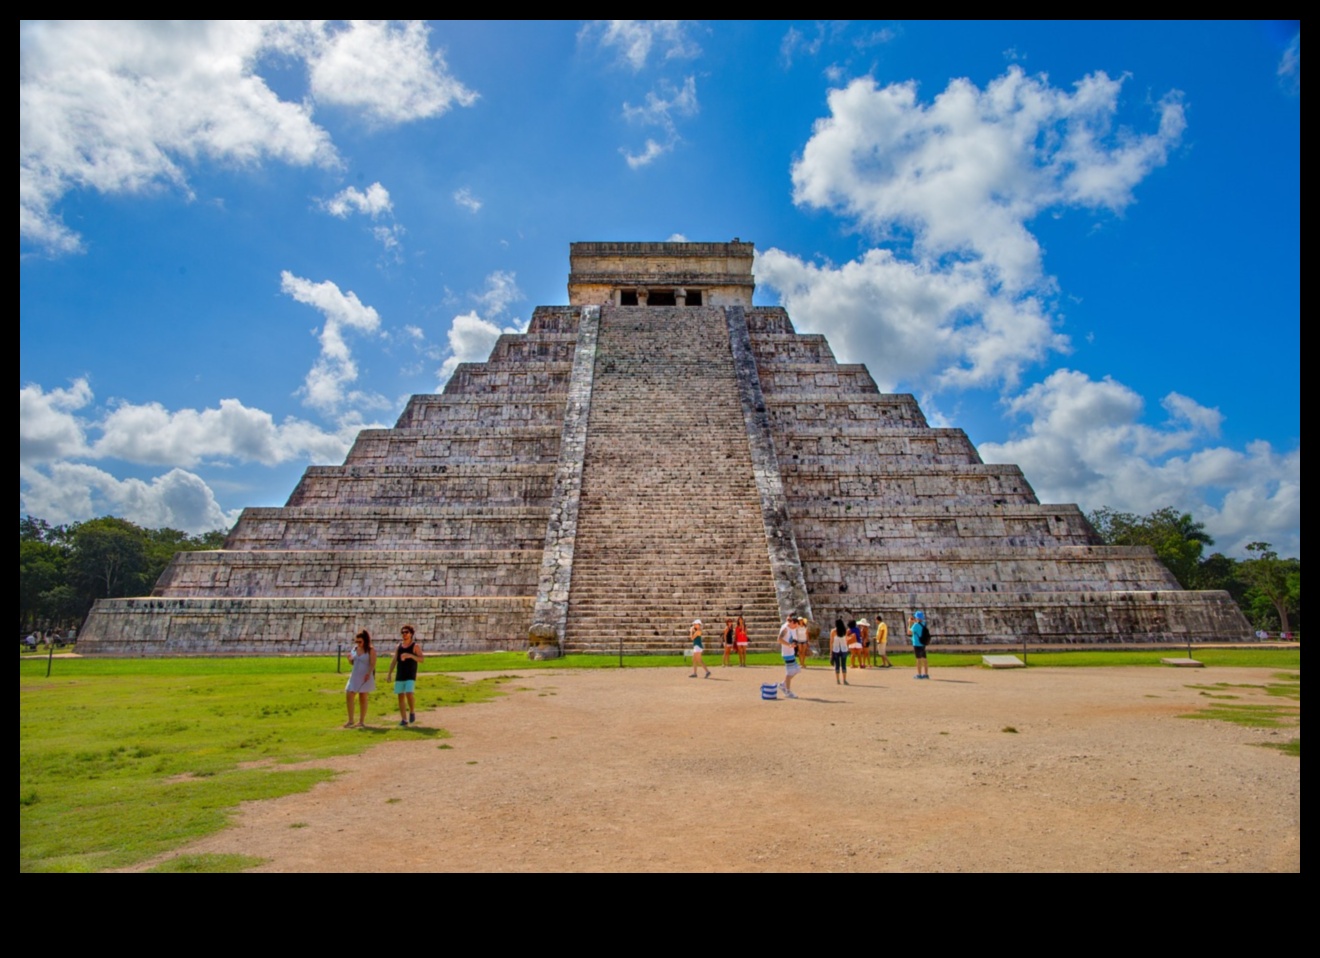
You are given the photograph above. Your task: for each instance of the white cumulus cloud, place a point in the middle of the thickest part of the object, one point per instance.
(123, 106)
(660, 109)
(965, 173)
(60, 427)
(1290, 66)
(66, 492)
(384, 68)
(472, 337)
(1085, 442)
(150, 433)
(48, 428)
(464, 198)
(324, 387)
(911, 321)
(634, 40)
(54, 425)
(959, 293)
(373, 202)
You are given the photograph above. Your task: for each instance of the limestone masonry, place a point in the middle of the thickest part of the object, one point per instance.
(659, 450)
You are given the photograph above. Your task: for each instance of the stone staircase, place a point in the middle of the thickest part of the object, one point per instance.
(670, 526)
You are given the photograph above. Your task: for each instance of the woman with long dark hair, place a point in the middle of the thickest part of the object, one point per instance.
(363, 680)
(839, 652)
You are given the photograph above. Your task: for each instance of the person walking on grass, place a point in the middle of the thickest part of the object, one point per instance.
(362, 681)
(406, 658)
(788, 649)
(839, 652)
(698, 646)
(918, 628)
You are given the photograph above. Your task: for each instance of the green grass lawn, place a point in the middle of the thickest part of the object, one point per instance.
(120, 760)
(124, 759)
(1228, 706)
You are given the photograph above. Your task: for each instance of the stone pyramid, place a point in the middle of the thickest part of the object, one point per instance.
(659, 450)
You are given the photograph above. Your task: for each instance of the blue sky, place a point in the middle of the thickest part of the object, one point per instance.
(242, 241)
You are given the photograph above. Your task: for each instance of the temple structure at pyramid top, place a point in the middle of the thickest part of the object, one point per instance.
(661, 274)
(656, 451)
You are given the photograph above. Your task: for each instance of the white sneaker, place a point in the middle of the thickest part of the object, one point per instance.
(791, 695)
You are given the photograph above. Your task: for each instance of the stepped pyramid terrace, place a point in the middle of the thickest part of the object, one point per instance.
(656, 451)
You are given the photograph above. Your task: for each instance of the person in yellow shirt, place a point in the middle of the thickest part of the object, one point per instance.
(880, 650)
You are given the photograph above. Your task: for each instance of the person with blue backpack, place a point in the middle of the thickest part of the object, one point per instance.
(920, 639)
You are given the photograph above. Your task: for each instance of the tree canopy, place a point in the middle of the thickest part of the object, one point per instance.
(1266, 587)
(62, 570)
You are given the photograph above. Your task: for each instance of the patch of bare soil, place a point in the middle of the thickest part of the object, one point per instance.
(648, 770)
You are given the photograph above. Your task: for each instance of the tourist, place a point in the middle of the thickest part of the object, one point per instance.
(864, 636)
(788, 649)
(362, 681)
(406, 657)
(728, 640)
(740, 640)
(882, 642)
(800, 638)
(918, 627)
(855, 643)
(839, 652)
(694, 636)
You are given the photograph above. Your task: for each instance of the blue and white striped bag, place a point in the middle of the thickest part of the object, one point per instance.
(770, 691)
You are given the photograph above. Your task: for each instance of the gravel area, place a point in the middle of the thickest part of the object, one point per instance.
(648, 770)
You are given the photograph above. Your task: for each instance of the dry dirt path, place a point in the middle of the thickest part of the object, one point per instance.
(647, 770)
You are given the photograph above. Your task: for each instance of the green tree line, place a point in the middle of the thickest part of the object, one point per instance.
(62, 570)
(1266, 587)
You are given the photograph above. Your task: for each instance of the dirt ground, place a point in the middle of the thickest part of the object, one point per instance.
(648, 770)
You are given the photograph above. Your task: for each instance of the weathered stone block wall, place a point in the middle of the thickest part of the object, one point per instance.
(422, 485)
(1057, 618)
(502, 572)
(788, 348)
(819, 409)
(538, 348)
(878, 448)
(805, 379)
(874, 571)
(555, 319)
(768, 319)
(822, 526)
(954, 484)
(516, 377)
(396, 527)
(444, 412)
(469, 444)
(289, 626)
(886, 509)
